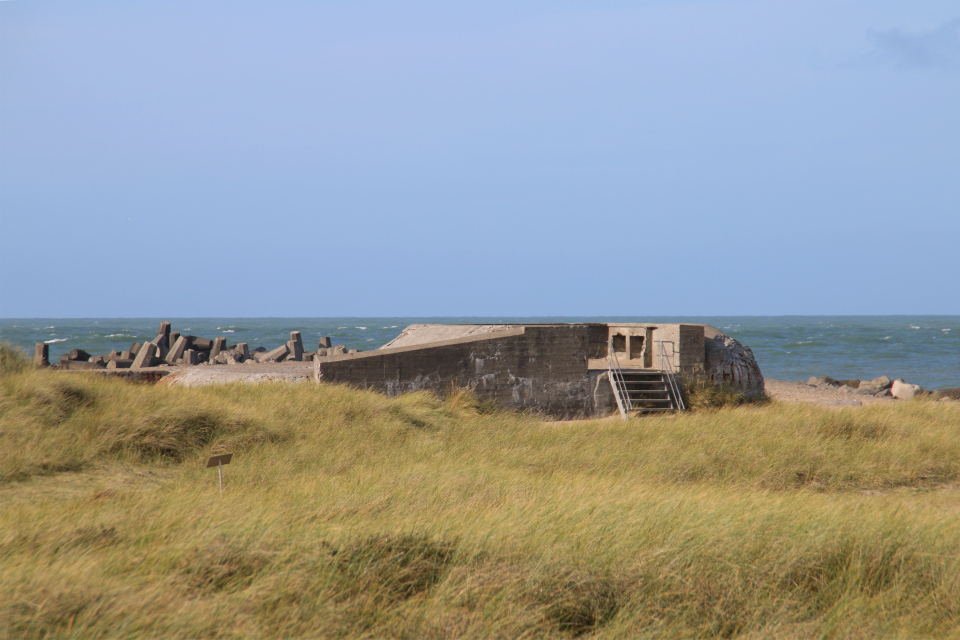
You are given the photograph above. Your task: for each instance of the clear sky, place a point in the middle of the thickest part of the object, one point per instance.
(364, 157)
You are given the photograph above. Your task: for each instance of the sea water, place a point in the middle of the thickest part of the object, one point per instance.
(924, 350)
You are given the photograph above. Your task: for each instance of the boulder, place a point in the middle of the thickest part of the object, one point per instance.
(732, 364)
(951, 394)
(868, 388)
(883, 382)
(830, 381)
(813, 381)
(904, 390)
(853, 384)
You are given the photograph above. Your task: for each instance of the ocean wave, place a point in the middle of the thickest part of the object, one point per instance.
(886, 337)
(228, 331)
(914, 327)
(44, 327)
(55, 340)
(395, 326)
(361, 328)
(118, 335)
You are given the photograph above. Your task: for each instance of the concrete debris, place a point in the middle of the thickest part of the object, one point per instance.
(171, 348)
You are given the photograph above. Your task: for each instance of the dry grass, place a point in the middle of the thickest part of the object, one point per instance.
(347, 514)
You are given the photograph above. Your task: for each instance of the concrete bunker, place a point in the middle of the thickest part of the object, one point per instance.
(560, 370)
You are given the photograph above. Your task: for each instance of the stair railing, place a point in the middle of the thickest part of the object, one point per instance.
(617, 382)
(667, 367)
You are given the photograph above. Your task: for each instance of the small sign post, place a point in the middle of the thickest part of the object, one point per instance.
(218, 462)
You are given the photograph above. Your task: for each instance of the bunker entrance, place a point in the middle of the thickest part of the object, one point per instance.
(636, 347)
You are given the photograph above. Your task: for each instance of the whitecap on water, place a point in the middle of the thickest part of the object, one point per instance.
(944, 330)
(55, 340)
(913, 327)
(118, 335)
(227, 331)
(395, 326)
(361, 328)
(886, 337)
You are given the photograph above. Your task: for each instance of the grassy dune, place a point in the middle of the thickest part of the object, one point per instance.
(348, 514)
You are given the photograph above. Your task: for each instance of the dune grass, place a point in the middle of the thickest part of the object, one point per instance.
(349, 514)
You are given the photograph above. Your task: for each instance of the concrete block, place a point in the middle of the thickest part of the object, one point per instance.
(321, 353)
(145, 356)
(162, 346)
(277, 355)
(164, 331)
(174, 336)
(325, 343)
(200, 344)
(337, 350)
(41, 354)
(243, 351)
(80, 365)
(296, 350)
(126, 355)
(296, 336)
(98, 360)
(135, 349)
(190, 358)
(219, 344)
(178, 349)
(79, 354)
(308, 356)
(120, 363)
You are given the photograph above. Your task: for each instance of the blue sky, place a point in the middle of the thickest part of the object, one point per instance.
(694, 157)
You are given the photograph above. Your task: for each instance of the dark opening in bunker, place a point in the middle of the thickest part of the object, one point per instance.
(619, 342)
(636, 347)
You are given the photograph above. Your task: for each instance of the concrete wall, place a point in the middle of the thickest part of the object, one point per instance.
(637, 348)
(537, 367)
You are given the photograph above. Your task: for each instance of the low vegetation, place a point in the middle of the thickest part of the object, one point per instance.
(349, 514)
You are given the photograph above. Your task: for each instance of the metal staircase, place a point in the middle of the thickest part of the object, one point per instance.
(644, 390)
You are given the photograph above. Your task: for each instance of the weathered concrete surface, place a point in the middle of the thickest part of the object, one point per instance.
(423, 334)
(249, 373)
(536, 367)
(730, 363)
(41, 354)
(145, 356)
(179, 348)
